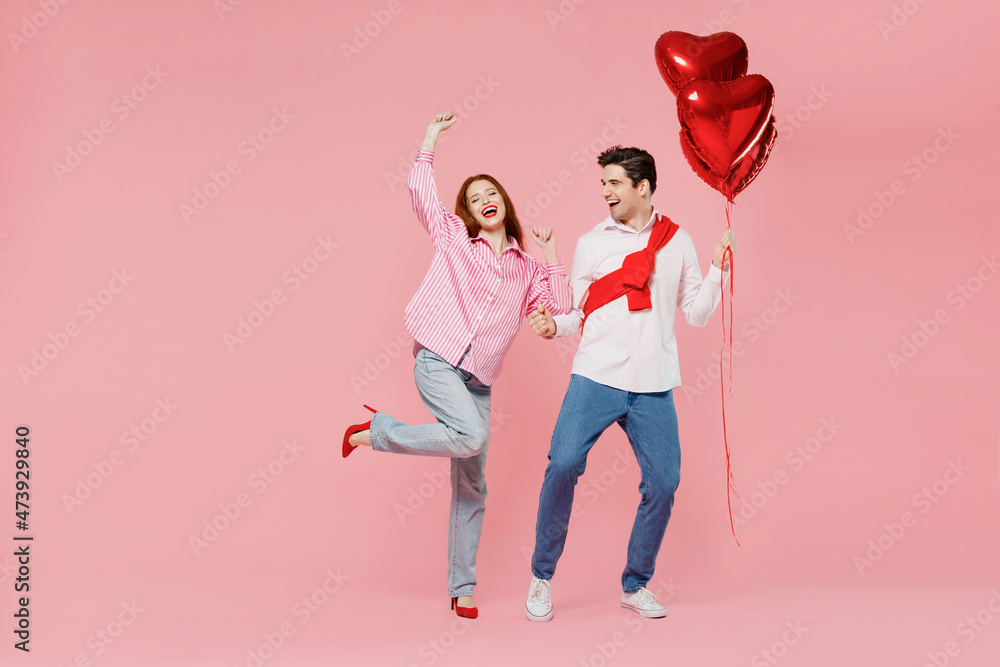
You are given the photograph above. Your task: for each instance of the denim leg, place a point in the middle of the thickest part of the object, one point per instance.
(468, 505)
(465, 524)
(651, 427)
(587, 410)
(445, 390)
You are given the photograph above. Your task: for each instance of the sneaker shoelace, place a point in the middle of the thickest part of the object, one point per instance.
(540, 592)
(644, 597)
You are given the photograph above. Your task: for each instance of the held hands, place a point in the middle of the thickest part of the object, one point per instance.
(725, 241)
(441, 122)
(542, 323)
(545, 239)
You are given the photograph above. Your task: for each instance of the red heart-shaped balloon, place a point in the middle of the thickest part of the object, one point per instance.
(681, 57)
(745, 170)
(723, 120)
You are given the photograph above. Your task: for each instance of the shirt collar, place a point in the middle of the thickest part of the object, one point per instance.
(611, 223)
(510, 240)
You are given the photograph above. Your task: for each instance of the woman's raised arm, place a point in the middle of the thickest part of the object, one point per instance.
(430, 210)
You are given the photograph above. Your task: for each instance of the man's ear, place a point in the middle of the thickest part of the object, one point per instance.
(643, 187)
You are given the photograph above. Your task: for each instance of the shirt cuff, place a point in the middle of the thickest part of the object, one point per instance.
(563, 322)
(425, 156)
(555, 268)
(716, 275)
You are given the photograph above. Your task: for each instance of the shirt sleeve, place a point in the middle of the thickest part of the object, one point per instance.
(581, 277)
(550, 288)
(431, 212)
(696, 297)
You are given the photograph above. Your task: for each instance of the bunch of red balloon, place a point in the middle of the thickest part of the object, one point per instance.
(727, 129)
(727, 132)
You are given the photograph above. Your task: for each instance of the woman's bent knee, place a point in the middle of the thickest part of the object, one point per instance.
(473, 443)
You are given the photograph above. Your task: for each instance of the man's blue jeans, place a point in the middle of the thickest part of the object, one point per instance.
(461, 405)
(650, 422)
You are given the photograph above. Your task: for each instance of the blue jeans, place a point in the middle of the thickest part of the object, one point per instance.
(461, 404)
(650, 422)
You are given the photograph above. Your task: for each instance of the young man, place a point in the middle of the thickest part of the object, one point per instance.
(629, 275)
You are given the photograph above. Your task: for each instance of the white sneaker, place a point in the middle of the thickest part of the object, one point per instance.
(539, 604)
(643, 603)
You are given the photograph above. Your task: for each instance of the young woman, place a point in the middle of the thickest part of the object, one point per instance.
(463, 320)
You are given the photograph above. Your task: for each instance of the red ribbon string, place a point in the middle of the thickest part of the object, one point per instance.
(730, 486)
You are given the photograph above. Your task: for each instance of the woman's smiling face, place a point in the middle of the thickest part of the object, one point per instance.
(486, 205)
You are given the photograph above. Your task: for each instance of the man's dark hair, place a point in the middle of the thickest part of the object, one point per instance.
(637, 163)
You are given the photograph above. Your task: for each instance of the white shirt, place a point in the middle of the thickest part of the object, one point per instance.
(636, 350)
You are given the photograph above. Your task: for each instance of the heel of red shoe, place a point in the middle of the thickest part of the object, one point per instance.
(351, 430)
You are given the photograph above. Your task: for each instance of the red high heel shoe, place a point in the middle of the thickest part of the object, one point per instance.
(464, 612)
(351, 430)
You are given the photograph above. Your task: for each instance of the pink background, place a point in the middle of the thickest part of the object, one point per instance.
(819, 307)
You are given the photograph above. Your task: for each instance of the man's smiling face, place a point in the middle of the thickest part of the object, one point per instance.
(624, 199)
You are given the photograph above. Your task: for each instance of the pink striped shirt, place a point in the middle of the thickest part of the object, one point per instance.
(471, 297)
